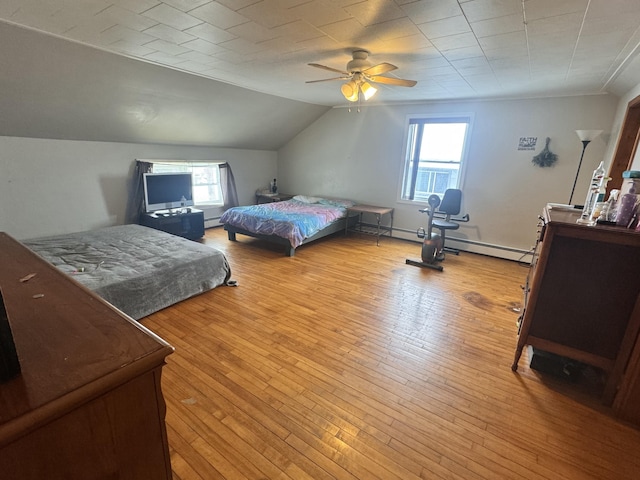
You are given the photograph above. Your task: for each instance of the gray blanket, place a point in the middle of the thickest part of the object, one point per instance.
(137, 269)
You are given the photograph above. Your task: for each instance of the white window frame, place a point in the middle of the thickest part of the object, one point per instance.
(188, 166)
(433, 118)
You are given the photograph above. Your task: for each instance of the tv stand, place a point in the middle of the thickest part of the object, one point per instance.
(188, 225)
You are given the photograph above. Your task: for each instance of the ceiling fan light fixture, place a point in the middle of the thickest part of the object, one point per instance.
(368, 90)
(350, 90)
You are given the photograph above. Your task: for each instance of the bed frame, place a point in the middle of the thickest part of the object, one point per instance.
(337, 226)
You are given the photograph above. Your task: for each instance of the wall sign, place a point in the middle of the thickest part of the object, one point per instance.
(527, 143)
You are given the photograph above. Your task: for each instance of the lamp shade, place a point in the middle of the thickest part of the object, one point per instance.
(588, 135)
(368, 90)
(350, 91)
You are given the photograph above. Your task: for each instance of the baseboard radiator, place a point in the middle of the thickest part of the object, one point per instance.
(474, 246)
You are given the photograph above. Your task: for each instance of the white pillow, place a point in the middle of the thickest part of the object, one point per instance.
(307, 199)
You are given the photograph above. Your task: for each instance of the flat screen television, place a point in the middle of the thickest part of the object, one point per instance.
(164, 191)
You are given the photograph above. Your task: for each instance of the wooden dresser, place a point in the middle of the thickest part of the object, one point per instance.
(88, 403)
(582, 301)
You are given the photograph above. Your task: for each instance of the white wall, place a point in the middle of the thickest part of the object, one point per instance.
(359, 156)
(49, 187)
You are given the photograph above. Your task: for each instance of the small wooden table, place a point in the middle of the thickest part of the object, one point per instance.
(379, 212)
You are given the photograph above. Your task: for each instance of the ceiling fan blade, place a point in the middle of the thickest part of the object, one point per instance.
(324, 67)
(328, 79)
(379, 69)
(393, 81)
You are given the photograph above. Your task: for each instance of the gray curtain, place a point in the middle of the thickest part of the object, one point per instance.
(135, 202)
(228, 186)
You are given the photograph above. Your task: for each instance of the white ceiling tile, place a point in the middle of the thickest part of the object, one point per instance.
(462, 40)
(279, 46)
(498, 25)
(169, 34)
(319, 46)
(136, 6)
(120, 33)
(196, 67)
(477, 10)
(320, 12)
(130, 48)
(171, 16)
(471, 62)
(431, 10)
(267, 44)
(445, 27)
(129, 19)
(605, 8)
(203, 46)
(238, 4)
(185, 5)
(166, 47)
(442, 72)
(267, 14)
(371, 12)
(463, 53)
(210, 33)
(196, 57)
(401, 27)
(253, 32)
(428, 67)
(165, 59)
(537, 9)
(568, 25)
(506, 40)
(349, 30)
(218, 15)
(89, 29)
(297, 31)
(507, 62)
(409, 45)
(242, 46)
(611, 23)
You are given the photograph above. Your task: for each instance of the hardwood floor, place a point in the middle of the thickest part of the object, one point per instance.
(344, 362)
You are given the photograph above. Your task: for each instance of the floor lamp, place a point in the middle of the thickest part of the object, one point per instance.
(586, 136)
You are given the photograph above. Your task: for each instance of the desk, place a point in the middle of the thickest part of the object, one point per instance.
(378, 212)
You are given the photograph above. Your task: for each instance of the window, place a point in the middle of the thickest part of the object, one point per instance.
(434, 156)
(205, 179)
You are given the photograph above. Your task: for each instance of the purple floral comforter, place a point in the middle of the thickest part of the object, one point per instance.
(292, 219)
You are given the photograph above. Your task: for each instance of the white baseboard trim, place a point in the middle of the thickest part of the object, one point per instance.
(463, 244)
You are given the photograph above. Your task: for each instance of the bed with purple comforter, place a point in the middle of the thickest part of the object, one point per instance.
(291, 223)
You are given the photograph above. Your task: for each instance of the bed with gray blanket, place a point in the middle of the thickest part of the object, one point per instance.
(137, 269)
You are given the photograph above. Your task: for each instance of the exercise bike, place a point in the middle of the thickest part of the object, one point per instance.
(433, 244)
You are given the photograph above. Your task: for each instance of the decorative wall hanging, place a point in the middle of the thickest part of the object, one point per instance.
(545, 158)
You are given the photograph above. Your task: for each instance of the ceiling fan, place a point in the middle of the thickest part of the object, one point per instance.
(359, 73)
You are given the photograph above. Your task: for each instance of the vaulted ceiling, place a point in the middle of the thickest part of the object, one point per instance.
(169, 71)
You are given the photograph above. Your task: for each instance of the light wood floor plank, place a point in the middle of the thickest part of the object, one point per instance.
(345, 363)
